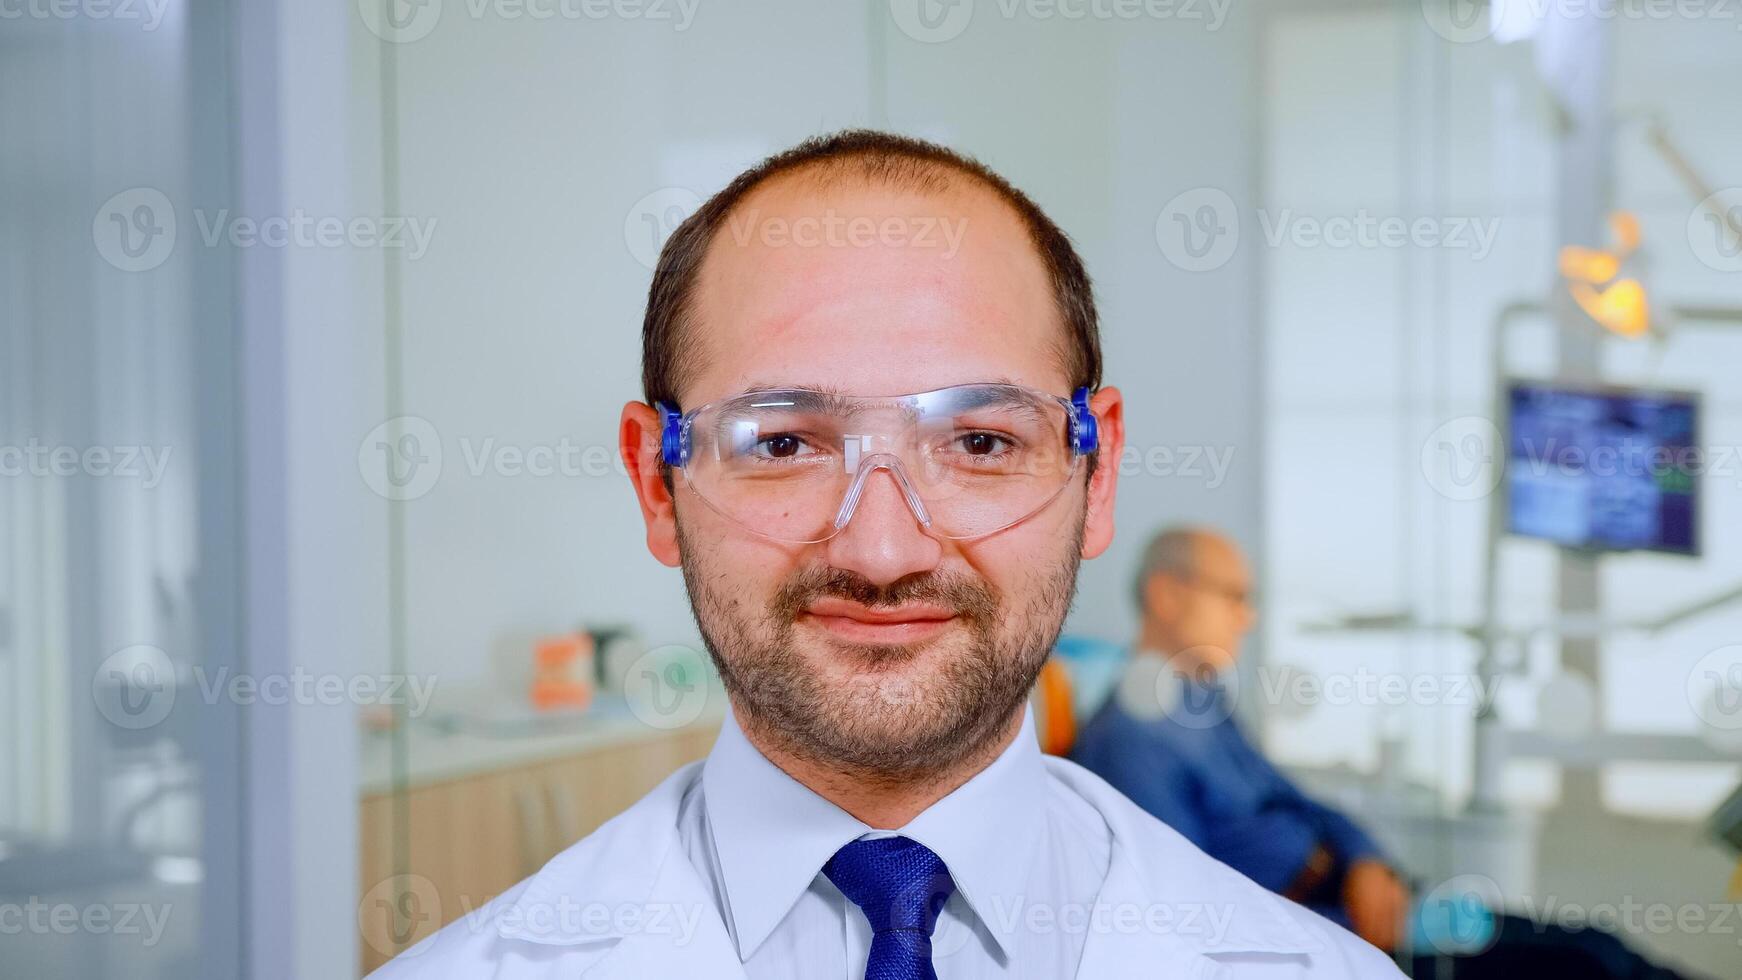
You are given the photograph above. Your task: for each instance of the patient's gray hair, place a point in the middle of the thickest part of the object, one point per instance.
(1172, 551)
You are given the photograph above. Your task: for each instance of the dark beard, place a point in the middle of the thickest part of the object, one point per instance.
(882, 729)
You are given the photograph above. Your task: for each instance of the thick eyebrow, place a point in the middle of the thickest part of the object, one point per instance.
(827, 399)
(797, 398)
(809, 401)
(983, 396)
(761, 386)
(823, 389)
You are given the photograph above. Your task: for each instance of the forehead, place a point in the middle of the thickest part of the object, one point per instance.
(1220, 559)
(873, 290)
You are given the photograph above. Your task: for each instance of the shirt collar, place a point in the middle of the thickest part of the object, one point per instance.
(773, 834)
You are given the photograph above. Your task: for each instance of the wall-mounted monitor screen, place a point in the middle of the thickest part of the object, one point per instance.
(1604, 468)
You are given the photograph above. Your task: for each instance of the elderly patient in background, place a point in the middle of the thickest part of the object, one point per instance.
(1182, 757)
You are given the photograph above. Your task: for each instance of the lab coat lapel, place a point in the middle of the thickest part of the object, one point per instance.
(1169, 909)
(699, 947)
(1140, 953)
(623, 904)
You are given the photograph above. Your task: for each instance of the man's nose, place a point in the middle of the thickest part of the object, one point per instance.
(1248, 615)
(883, 541)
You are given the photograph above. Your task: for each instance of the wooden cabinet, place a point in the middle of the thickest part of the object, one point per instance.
(442, 847)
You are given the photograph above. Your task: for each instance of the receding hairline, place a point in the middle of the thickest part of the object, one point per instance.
(1178, 550)
(938, 180)
(871, 168)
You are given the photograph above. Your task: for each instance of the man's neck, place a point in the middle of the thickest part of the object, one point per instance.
(1155, 640)
(876, 800)
(1176, 656)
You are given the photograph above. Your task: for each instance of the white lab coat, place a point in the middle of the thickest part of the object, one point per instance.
(625, 903)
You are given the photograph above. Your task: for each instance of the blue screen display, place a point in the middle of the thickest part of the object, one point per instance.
(1605, 469)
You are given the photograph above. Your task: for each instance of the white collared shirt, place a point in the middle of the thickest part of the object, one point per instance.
(651, 895)
(1027, 856)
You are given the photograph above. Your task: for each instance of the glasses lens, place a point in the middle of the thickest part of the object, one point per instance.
(980, 457)
(989, 456)
(774, 462)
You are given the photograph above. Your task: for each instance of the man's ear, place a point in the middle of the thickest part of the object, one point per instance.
(1161, 597)
(638, 440)
(1109, 408)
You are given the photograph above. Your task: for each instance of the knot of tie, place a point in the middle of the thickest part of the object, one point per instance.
(901, 886)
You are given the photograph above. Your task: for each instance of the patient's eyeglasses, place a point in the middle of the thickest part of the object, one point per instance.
(792, 464)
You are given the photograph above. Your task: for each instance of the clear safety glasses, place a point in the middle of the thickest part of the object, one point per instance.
(792, 464)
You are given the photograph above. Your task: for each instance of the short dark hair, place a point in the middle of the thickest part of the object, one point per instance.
(881, 158)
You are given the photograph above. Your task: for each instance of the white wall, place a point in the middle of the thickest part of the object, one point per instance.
(533, 145)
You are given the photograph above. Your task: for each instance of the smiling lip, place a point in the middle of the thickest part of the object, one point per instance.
(862, 624)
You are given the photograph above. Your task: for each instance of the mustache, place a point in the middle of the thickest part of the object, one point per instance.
(970, 597)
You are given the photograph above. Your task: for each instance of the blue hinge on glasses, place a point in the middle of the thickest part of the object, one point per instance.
(1085, 430)
(674, 441)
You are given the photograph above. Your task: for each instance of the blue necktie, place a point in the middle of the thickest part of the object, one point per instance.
(901, 886)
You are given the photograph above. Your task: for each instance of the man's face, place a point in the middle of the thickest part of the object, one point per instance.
(1206, 614)
(883, 649)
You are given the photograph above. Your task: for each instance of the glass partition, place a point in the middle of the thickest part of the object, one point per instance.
(120, 776)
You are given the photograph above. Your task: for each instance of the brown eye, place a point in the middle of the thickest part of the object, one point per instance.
(980, 443)
(781, 447)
